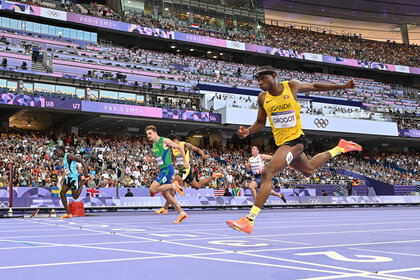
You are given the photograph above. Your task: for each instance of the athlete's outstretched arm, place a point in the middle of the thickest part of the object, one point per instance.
(77, 159)
(265, 157)
(172, 144)
(196, 149)
(248, 165)
(298, 86)
(259, 123)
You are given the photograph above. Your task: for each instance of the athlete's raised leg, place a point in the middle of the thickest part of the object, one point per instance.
(308, 167)
(253, 187)
(197, 185)
(155, 187)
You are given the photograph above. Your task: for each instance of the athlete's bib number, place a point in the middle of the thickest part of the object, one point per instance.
(284, 119)
(66, 171)
(179, 160)
(159, 160)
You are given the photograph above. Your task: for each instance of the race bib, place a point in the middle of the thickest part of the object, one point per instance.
(284, 119)
(66, 171)
(179, 160)
(159, 160)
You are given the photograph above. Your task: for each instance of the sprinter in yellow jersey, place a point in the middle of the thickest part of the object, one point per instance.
(185, 174)
(278, 102)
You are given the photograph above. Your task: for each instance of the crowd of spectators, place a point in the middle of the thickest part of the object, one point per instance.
(290, 38)
(383, 167)
(115, 161)
(188, 71)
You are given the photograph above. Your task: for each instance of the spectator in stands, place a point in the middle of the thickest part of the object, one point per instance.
(323, 193)
(350, 188)
(129, 193)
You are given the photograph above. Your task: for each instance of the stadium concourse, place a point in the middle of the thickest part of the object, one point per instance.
(80, 82)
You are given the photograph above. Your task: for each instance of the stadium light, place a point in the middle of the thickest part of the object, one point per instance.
(191, 49)
(29, 123)
(208, 52)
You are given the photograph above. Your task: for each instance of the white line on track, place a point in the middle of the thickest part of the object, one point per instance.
(386, 252)
(400, 270)
(281, 241)
(242, 253)
(347, 276)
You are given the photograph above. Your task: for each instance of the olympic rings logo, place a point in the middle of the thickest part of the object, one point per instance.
(315, 201)
(4, 204)
(321, 123)
(53, 13)
(236, 44)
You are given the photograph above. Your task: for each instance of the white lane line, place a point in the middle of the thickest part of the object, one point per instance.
(399, 270)
(82, 262)
(348, 276)
(335, 246)
(51, 235)
(385, 252)
(281, 241)
(30, 229)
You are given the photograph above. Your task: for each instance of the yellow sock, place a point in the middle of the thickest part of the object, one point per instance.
(336, 151)
(253, 214)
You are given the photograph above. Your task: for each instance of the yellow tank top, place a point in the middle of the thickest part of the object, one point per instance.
(283, 111)
(178, 157)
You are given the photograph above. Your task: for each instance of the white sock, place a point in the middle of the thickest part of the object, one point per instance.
(182, 213)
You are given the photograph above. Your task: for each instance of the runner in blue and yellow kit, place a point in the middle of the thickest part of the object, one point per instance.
(71, 180)
(278, 102)
(162, 183)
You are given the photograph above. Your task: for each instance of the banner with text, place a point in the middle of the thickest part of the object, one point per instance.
(316, 122)
(39, 101)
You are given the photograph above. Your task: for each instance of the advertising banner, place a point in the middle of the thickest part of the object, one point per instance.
(39, 101)
(200, 39)
(316, 122)
(121, 109)
(149, 31)
(344, 61)
(98, 22)
(21, 8)
(150, 112)
(177, 114)
(409, 133)
(235, 45)
(313, 57)
(53, 14)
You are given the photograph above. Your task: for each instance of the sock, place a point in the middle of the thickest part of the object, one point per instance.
(182, 213)
(336, 151)
(253, 214)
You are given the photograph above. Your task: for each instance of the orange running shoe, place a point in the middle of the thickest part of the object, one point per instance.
(66, 216)
(243, 224)
(34, 213)
(181, 218)
(178, 188)
(349, 146)
(162, 211)
(217, 175)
